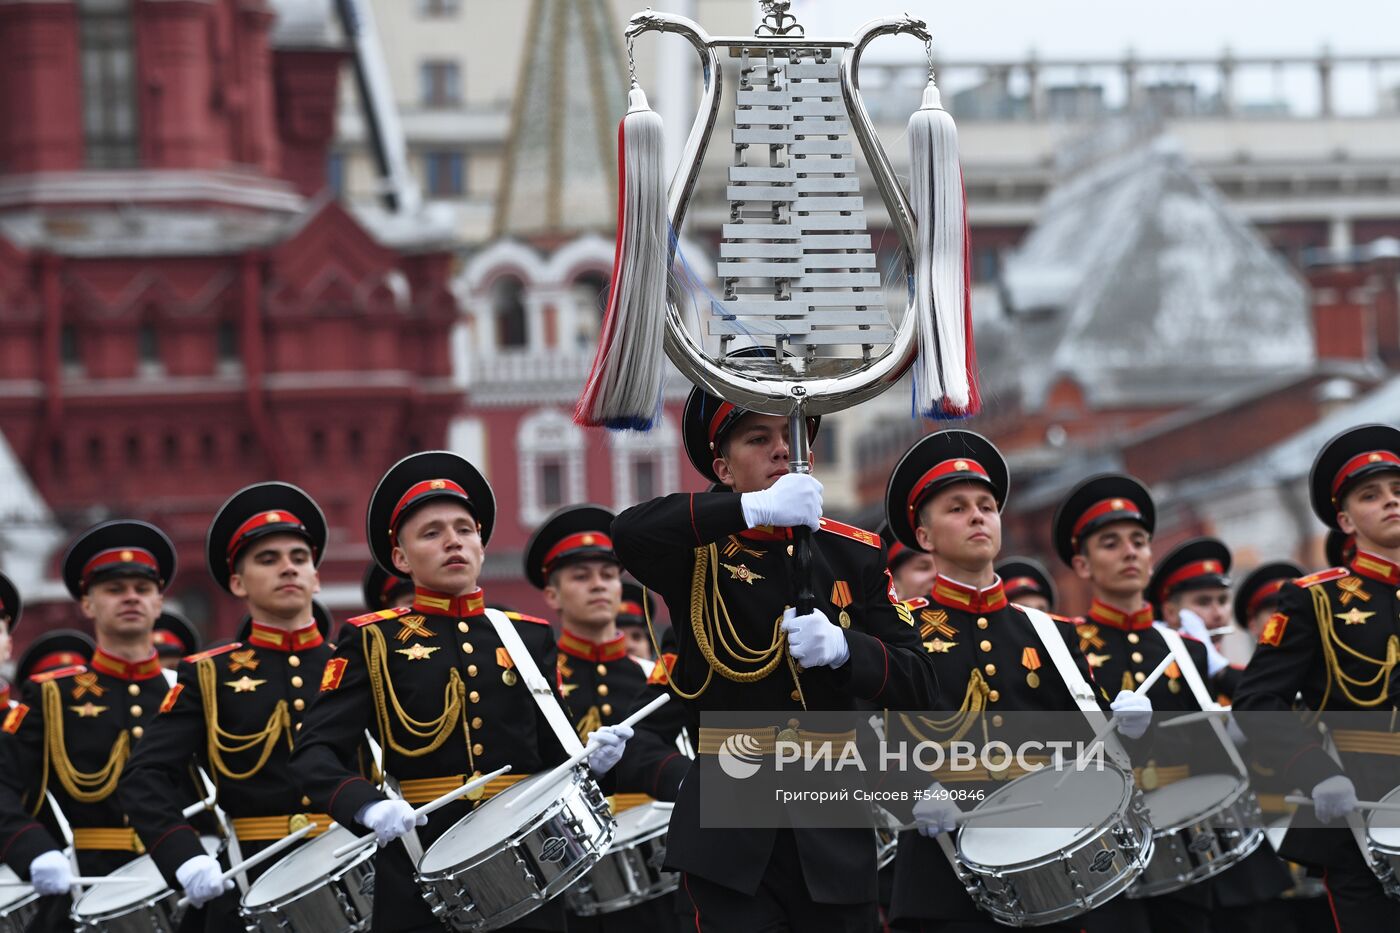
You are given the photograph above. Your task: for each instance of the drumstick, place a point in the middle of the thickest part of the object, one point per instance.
(1189, 718)
(431, 806)
(255, 860)
(592, 747)
(199, 806)
(1382, 805)
(82, 881)
(977, 814)
(1112, 723)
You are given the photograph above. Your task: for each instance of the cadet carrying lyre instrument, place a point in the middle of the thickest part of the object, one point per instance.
(796, 268)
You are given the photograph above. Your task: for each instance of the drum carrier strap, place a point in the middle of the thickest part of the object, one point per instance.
(1079, 688)
(535, 682)
(1198, 689)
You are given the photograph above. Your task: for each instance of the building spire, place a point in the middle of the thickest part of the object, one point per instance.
(560, 171)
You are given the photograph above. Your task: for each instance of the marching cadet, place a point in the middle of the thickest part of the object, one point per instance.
(10, 606)
(911, 570)
(1191, 588)
(1339, 547)
(175, 637)
(636, 618)
(235, 709)
(1027, 583)
(434, 682)
(945, 497)
(384, 590)
(570, 557)
(1332, 642)
(64, 647)
(74, 731)
(1257, 596)
(1103, 531)
(856, 650)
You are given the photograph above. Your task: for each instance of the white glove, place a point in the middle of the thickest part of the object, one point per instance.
(936, 814)
(813, 641)
(1133, 712)
(611, 742)
(51, 873)
(794, 500)
(389, 819)
(1333, 798)
(1195, 626)
(202, 879)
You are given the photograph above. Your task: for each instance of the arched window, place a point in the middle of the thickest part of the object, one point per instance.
(550, 447)
(508, 305)
(590, 293)
(644, 463)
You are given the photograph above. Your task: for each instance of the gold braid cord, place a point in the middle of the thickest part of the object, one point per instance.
(434, 732)
(220, 742)
(84, 787)
(706, 616)
(958, 724)
(1327, 630)
(591, 722)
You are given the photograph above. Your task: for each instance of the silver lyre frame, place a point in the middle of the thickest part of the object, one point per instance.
(792, 395)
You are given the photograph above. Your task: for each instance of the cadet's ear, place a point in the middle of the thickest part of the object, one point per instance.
(1080, 564)
(1345, 523)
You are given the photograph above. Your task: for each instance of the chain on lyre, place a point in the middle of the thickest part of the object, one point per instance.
(928, 54)
(631, 62)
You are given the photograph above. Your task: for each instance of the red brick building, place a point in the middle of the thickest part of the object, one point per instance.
(182, 310)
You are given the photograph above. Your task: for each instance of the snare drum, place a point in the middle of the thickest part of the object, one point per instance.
(18, 903)
(886, 836)
(1383, 837)
(308, 891)
(630, 872)
(495, 865)
(1204, 824)
(146, 906)
(1029, 875)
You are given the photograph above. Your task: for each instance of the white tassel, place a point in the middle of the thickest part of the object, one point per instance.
(623, 390)
(945, 382)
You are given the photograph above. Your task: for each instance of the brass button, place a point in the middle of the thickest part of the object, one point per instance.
(477, 749)
(994, 695)
(133, 689)
(305, 801)
(476, 722)
(1139, 677)
(997, 720)
(137, 732)
(1137, 657)
(296, 680)
(462, 627)
(985, 645)
(293, 660)
(981, 621)
(602, 670)
(796, 694)
(1134, 638)
(991, 670)
(298, 704)
(136, 709)
(602, 690)
(474, 697)
(298, 727)
(606, 709)
(467, 647)
(471, 670)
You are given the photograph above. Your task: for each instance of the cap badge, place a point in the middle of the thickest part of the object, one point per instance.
(588, 540)
(1118, 505)
(128, 556)
(273, 517)
(960, 465)
(437, 484)
(1212, 567)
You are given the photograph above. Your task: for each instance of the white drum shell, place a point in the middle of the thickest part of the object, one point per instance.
(630, 872)
(1383, 838)
(1188, 850)
(336, 896)
(152, 908)
(18, 904)
(560, 832)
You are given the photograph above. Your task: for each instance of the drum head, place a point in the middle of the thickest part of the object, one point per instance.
(103, 899)
(1187, 799)
(1082, 804)
(639, 822)
(12, 893)
(1275, 832)
(1383, 826)
(307, 866)
(491, 824)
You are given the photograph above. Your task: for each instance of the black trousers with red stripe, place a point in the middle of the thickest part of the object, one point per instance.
(1359, 904)
(780, 905)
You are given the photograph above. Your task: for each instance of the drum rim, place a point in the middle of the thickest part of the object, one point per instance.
(1206, 871)
(342, 867)
(1242, 790)
(1382, 848)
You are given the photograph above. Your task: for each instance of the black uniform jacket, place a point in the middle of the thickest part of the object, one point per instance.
(690, 548)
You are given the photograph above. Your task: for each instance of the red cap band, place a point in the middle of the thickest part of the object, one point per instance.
(595, 539)
(939, 471)
(895, 550)
(1105, 507)
(120, 555)
(629, 608)
(1192, 570)
(261, 520)
(418, 489)
(52, 662)
(1023, 585)
(1359, 461)
(168, 638)
(1263, 593)
(721, 413)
